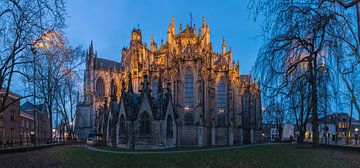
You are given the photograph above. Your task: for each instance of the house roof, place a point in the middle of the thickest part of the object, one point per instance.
(29, 108)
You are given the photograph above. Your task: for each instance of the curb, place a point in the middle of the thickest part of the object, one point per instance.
(94, 149)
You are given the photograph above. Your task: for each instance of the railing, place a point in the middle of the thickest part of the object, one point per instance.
(340, 141)
(18, 143)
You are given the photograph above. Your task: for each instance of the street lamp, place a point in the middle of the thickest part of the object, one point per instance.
(33, 50)
(356, 135)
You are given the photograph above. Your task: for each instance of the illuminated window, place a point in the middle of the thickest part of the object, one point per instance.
(189, 97)
(189, 91)
(221, 99)
(169, 127)
(145, 125)
(100, 88)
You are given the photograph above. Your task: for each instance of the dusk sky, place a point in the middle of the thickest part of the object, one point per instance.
(109, 24)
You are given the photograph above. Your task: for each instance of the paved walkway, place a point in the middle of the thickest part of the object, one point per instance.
(169, 152)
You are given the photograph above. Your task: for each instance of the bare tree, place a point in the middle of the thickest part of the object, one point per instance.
(276, 114)
(55, 61)
(68, 96)
(297, 35)
(21, 24)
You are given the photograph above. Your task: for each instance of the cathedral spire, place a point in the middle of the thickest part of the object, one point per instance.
(203, 22)
(172, 21)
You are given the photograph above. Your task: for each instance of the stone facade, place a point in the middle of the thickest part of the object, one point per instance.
(183, 80)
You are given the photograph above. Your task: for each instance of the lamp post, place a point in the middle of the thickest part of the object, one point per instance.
(356, 136)
(33, 50)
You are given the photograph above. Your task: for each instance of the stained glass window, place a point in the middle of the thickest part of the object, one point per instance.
(100, 88)
(189, 91)
(221, 99)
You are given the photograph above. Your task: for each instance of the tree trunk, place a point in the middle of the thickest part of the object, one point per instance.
(348, 131)
(314, 100)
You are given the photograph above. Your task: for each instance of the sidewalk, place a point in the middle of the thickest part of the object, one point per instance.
(91, 148)
(26, 148)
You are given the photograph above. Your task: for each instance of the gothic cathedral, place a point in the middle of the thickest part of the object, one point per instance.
(178, 93)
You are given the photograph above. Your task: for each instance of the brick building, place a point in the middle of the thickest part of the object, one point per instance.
(26, 128)
(9, 125)
(42, 120)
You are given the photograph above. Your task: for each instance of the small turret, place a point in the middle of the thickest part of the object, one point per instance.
(153, 45)
(223, 46)
(91, 48)
(203, 26)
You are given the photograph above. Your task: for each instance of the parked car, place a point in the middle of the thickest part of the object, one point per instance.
(90, 141)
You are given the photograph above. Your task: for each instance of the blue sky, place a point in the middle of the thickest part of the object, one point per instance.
(109, 23)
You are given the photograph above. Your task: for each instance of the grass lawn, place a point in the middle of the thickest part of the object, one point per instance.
(167, 149)
(260, 156)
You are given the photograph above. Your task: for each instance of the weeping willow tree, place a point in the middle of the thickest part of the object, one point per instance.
(304, 41)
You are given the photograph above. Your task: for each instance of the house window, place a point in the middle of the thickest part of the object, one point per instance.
(12, 117)
(12, 133)
(22, 123)
(145, 126)
(122, 128)
(2, 115)
(169, 127)
(1, 133)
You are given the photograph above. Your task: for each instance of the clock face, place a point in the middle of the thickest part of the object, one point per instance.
(135, 37)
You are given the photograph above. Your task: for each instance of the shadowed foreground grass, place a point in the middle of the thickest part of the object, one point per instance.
(260, 156)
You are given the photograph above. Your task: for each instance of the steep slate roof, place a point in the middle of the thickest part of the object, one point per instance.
(105, 63)
(132, 102)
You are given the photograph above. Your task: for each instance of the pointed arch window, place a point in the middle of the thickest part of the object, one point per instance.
(189, 91)
(169, 127)
(122, 126)
(100, 88)
(189, 97)
(221, 100)
(145, 125)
